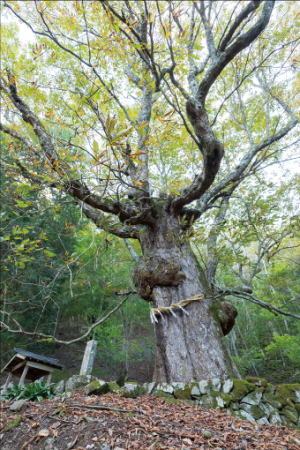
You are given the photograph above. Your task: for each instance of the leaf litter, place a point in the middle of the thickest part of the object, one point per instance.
(112, 422)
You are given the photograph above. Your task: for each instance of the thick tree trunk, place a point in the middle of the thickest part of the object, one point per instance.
(191, 346)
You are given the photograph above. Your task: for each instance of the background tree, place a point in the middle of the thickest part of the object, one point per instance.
(126, 79)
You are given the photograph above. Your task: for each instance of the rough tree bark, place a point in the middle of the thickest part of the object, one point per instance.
(190, 346)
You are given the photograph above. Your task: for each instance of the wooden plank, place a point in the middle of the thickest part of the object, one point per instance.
(49, 378)
(18, 366)
(5, 368)
(22, 379)
(8, 380)
(40, 366)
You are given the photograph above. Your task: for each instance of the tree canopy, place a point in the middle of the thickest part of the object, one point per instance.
(135, 111)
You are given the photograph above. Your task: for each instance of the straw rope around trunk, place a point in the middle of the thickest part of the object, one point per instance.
(169, 309)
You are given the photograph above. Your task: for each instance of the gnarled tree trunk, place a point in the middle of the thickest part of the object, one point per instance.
(192, 345)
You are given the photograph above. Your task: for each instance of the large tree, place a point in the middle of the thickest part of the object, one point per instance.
(172, 106)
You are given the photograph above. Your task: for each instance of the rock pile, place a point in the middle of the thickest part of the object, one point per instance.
(253, 399)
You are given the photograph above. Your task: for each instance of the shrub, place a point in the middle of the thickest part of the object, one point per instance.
(35, 392)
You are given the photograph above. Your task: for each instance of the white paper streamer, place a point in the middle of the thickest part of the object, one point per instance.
(184, 310)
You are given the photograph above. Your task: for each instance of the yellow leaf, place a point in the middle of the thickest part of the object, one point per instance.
(95, 147)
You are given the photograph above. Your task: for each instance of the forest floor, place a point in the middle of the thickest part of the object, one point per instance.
(143, 423)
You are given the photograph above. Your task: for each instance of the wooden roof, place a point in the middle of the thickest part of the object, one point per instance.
(22, 355)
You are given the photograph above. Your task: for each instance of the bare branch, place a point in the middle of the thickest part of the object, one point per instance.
(20, 330)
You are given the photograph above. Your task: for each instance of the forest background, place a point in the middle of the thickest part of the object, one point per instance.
(60, 273)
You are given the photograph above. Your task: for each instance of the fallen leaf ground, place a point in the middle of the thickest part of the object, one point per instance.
(151, 423)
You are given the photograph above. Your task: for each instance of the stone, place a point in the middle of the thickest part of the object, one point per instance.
(206, 434)
(81, 380)
(227, 386)
(187, 441)
(208, 401)
(216, 384)
(263, 421)
(266, 410)
(272, 399)
(190, 402)
(240, 389)
(220, 399)
(89, 357)
(174, 400)
(195, 391)
(235, 406)
(44, 432)
(18, 406)
(12, 424)
(59, 388)
(204, 387)
(290, 413)
(49, 444)
(254, 410)
(70, 387)
(158, 393)
(286, 392)
(286, 422)
(270, 388)
(253, 398)
(257, 381)
(220, 402)
(165, 387)
(96, 387)
(113, 387)
(246, 415)
(184, 393)
(131, 390)
(150, 388)
(275, 418)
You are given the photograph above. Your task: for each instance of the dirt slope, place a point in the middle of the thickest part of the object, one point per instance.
(144, 423)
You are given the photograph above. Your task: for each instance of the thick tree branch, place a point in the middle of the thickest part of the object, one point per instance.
(224, 57)
(238, 172)
(252, 6)
(251, 298)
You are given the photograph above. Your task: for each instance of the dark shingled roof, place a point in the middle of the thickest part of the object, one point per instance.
(45, 359)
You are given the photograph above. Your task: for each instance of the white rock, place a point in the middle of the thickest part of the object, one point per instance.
(204, 386)
(19, 405)
(216, 384)
(150, 388)
(227, 386)
(297, 396)
(248, 416)
(263, 421)
(275, 419)
(165, 387)
(178, 385)
(266, 410)
(195, 391)
(269, 406)
(220, 402)
(253, 398)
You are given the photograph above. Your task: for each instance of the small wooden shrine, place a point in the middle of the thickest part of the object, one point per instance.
(31, 366)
